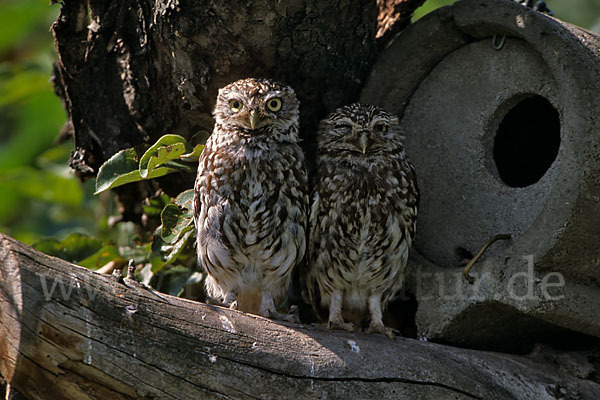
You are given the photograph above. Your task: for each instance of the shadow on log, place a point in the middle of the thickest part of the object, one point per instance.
(70, 333)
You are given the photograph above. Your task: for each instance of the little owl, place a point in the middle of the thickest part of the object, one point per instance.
(251, 197)
(362, 218)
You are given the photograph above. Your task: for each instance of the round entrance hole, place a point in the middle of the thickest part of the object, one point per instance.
(527, 142)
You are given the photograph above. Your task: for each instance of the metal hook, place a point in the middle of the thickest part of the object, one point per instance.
(497, 45)
(480, 253)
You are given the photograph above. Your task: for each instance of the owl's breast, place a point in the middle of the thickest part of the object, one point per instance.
(264, 200)
(360, 215)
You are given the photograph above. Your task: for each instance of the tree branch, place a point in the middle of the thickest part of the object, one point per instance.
(70, 333)
(393, 16)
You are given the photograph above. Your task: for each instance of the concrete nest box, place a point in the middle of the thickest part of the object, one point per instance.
(500, 106)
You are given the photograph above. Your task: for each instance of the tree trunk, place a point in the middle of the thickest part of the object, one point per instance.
(69, 333)
(130, 71)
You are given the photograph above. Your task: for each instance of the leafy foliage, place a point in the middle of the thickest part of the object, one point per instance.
(120, 169)
(75, 247)
(37, 192)
(170, 153)
(41, 202)
(177, 218)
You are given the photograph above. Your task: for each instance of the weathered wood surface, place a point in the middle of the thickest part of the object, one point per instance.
(69, 333)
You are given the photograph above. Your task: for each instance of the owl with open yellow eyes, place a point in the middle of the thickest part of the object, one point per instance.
(251, 197)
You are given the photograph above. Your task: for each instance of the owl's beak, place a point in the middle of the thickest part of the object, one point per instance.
(254, 119)
(364, 142)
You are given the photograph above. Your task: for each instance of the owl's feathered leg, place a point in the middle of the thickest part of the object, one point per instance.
(376, 325)
(336, 321)
(267, 305)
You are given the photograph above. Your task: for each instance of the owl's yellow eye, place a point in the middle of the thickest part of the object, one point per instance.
(274, 104)
(381, 127)
(235, 105)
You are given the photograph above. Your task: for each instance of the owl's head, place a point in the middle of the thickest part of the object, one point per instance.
(359, 130)
(256, 106)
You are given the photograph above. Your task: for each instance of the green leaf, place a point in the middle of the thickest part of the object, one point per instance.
(154, 206)
(160, 250)
(167, 155)
(74, 248)
(175, 220)
(118, 170)
(103, 256)
(167, 148)
(194, 155)
(428, 7)
(185, 199)
(165, 253)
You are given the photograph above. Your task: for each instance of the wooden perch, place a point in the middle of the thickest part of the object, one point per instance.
(69, 333)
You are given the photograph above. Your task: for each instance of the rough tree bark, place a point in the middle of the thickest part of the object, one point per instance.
(69, 333)
(129, 71)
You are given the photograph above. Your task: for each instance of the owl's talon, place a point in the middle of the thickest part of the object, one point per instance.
(347, 326)
(214, 301)
(293, 315)
(293, 318)
(283, 317)
(380, 328)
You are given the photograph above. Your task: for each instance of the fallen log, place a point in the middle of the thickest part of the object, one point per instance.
(70, 333)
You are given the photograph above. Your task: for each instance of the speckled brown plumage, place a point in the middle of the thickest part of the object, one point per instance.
(251, 197)
(362, 217)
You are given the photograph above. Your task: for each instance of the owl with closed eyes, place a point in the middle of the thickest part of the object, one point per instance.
(362, 218)
(251, 197)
